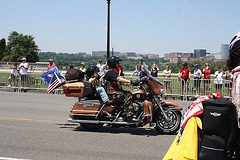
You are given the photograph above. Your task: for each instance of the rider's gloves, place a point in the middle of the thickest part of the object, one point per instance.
(134, 83)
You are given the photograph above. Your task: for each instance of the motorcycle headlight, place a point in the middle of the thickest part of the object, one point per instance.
(162, 91)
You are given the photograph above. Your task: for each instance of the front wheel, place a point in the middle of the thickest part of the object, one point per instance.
(170, 125)
(91, 126)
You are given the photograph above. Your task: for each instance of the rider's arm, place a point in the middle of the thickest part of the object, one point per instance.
(124, 81)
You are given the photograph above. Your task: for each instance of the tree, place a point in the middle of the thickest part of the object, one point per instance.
(2, 47)
(20, 46)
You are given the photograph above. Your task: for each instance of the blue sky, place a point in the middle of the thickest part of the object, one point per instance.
(141, 26)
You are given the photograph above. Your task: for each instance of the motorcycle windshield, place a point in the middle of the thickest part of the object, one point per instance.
(154, 79)
(145, 69)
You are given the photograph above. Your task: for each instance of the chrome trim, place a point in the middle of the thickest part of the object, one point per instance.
(107, 113)
(97, 121)
(82, 111)
(158, 102)
(150, 114)
(117, 116)
(93, 115)
(100, 110)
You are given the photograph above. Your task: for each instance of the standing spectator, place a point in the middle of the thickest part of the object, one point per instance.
(137, 71)
(120, 70)
(100, 67)
(197, 82)
(167, 74)
(13, 74)
(228, 82)
(51, 64)
(233, 63)
(105, 71)
(218, 79)
(185, 74)
(31, 67)
(154, 70)
(23, 71)
(82, 68)
(206, 78)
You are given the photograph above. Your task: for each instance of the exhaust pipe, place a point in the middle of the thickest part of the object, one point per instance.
(97, 121)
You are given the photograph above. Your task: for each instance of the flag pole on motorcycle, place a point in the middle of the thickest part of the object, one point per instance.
(54, 78)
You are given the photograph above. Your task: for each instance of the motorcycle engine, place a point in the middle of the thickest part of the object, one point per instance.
(137, 106)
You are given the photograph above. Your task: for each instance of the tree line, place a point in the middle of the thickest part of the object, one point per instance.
(19, 46)
(62, 60)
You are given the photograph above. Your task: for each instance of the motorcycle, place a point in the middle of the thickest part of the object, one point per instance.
(148, 107)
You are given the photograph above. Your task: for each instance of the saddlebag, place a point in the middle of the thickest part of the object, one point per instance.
(78, 89)
(86, 107)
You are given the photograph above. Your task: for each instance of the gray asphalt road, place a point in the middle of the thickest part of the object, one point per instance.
(34, 126)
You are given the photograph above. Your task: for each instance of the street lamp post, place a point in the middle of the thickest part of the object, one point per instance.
(108, 29)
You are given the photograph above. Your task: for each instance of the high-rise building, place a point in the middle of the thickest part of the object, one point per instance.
(199, 53)
(224, 51)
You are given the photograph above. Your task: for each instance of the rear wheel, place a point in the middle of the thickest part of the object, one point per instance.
(91, 126)
(170, 125)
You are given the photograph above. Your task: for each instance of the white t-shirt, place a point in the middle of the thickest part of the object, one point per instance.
(219, 78)
(14, 72)
(197, 73)
(101, 68)
(23, 71)
(166, 73)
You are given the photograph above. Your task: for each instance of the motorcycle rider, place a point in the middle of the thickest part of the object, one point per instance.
(122, 96)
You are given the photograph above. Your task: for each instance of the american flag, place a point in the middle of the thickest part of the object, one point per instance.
(54, 83)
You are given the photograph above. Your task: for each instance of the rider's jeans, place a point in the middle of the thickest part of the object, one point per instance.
(101, 91)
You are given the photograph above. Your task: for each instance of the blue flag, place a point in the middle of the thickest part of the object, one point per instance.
(47, 76)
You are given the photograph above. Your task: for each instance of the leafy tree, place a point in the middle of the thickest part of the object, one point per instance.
(2, 47)
(20, 46)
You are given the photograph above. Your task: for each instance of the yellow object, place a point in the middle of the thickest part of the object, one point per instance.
(187, 147)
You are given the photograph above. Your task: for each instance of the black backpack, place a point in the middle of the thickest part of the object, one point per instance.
(218, 136)
(74, 74)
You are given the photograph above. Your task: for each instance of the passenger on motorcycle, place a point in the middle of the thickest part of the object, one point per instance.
(123, 96)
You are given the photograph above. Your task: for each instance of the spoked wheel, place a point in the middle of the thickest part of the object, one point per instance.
(91, 126)
(170, 125)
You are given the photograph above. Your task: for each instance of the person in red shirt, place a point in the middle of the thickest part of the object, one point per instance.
(185, 74)
(206, 78)
(120, 70)
(51, 64)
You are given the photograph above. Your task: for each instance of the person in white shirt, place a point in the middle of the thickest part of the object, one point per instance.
(218, 79)
(101, 67)
(167, 75)
(23, 71)
(197, 82)
(13, 73)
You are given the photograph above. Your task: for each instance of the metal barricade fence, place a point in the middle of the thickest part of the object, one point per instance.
(33, 82)
(193, 88)
(174, 87)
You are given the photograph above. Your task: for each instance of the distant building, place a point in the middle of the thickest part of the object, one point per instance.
(224, 51)
(82, 53)
(217, 55)
(131, 54)
(104, 53)
(152, 56)
(136, 58)
(199, 53)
